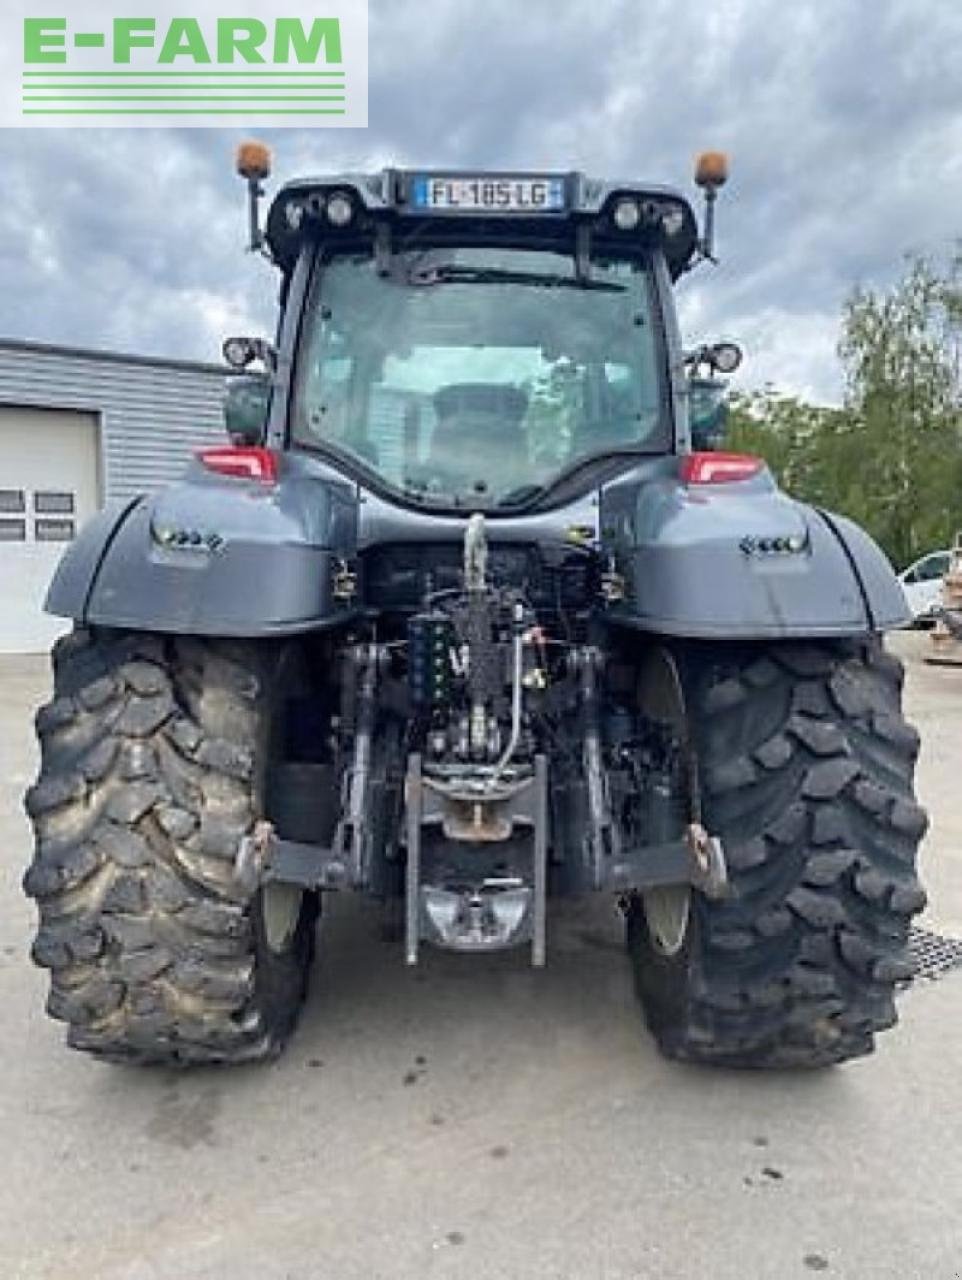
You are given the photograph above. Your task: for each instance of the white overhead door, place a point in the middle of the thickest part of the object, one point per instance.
(48, 488)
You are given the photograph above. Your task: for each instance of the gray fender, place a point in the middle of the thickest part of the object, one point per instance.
(75, 574)
(216, 556)
(743, 560)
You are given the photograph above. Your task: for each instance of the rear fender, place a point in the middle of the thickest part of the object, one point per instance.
(77, 570)
(742, 560)
(214, 555)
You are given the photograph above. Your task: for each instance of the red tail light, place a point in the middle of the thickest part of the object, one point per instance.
(718, 468)
(250, 462)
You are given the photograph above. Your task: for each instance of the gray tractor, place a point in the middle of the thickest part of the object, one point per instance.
(459, 618)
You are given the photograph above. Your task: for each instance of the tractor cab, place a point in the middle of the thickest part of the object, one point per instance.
(478, 341)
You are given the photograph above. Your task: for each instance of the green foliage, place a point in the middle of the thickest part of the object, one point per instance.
(891, 458)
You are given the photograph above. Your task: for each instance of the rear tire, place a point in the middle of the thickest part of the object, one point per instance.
(805, 767)
(153, 763)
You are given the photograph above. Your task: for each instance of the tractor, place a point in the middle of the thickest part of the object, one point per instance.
(460, 616)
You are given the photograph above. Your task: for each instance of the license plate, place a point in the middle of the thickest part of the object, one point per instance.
(470, 194)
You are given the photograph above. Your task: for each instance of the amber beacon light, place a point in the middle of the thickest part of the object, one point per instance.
(711, 172)
(711, 169)
(253, 163)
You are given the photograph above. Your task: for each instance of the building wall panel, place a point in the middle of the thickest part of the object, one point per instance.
(153, 413)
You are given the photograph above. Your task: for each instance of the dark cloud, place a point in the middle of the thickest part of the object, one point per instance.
(843, 121)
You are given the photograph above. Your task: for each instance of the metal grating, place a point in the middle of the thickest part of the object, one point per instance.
(933, 955)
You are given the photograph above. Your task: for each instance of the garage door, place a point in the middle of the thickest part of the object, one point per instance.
(48, 488)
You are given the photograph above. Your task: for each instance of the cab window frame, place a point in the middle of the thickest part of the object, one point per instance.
(660, 440)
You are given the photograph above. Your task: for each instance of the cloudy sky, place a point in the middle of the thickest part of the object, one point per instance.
(843, 119)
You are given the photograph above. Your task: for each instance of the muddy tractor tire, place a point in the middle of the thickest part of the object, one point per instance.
(805, 764)
(153, 758)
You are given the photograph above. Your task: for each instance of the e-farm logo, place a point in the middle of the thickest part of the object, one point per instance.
(289, 63)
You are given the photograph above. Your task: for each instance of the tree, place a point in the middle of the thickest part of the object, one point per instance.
(901, 350)
(891, 457)
(793, 437)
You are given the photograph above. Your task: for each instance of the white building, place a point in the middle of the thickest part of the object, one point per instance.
(78, 428)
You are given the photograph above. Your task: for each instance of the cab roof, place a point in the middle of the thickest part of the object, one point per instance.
(388, 206)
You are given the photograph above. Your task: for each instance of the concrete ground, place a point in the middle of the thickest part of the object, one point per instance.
(475, 1119)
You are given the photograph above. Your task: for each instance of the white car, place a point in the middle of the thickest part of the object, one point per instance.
(922, 583)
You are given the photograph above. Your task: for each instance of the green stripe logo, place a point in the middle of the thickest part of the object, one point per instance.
(209, 65)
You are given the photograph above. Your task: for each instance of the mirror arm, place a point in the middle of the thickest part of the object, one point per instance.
(708, 354)
(266, 352)
(241, 352)
(698, 355)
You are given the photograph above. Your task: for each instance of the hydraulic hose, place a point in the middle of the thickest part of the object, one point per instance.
(516, 687)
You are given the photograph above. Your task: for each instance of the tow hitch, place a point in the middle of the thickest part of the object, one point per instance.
(483, 885)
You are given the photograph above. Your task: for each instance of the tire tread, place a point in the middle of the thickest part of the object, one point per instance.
(154, 951)
(799, 966)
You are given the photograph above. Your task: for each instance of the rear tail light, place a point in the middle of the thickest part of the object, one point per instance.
(249, 462)
(718, 468)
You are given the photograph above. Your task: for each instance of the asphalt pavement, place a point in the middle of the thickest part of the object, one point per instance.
(476, 1119)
